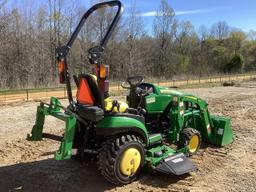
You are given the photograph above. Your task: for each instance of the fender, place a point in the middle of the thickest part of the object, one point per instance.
(112, 125)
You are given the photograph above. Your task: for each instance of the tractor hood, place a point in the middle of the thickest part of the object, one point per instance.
(160, 90)
(168, 91)
(161, 97)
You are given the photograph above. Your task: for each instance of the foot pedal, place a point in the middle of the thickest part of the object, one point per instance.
(177, 164)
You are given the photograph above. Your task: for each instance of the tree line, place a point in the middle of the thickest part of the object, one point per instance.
(30, 33)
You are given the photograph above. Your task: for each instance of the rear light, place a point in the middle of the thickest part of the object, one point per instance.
(61, 70)
(101, 71)
(104, 70)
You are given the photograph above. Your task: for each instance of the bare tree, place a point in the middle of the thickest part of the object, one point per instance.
(165, 26)
(203, 32)
(2, 3)
(27, 48)
(220, 30)
(133, 31)
(186, 39)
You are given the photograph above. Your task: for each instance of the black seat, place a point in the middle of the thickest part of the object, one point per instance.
(93, 112)
(99, 100)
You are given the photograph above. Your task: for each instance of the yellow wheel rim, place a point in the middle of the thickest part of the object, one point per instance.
(193, 143)
(130, 161)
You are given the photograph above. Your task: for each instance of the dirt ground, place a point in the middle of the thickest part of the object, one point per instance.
(29, 166)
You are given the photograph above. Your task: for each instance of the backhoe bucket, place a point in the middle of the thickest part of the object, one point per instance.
(222, 133)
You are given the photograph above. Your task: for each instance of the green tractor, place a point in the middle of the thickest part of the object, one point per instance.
(157, 128)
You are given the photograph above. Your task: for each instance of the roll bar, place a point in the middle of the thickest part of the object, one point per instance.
(62, 52)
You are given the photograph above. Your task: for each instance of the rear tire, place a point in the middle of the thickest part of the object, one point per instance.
(120, 160)
(192, 139)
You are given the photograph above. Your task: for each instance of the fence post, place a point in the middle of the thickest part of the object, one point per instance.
(64, 92)
(5, 97)
(27, 93)
(118, 89)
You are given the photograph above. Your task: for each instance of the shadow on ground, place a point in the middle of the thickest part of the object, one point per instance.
(52, 175)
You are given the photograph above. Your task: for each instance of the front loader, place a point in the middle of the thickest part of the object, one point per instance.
(157, 127)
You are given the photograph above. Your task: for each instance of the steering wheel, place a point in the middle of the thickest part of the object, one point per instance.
(132, 82)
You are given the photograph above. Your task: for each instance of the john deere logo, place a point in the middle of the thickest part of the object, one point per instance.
(151, 100)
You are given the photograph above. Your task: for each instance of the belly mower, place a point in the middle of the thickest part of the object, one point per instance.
(156, 127)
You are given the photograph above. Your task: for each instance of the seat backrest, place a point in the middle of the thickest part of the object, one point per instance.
(88, 92)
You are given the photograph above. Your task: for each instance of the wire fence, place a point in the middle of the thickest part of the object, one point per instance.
(11, 96)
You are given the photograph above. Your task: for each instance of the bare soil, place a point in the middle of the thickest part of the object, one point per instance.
(29, 166)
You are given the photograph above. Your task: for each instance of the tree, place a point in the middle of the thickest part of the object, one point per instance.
(220, 30)
(251, 35)
(237, 37)
(133, 32)
(165, 26)
(203, 32)
(186, 39)
(235, 64)
(249, 53)
(27, 48)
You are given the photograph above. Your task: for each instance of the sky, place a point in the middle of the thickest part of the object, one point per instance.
(237, 13)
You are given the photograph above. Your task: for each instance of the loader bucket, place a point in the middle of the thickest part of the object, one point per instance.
(222, 133)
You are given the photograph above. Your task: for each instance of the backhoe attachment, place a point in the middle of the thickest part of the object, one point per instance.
(54, 109)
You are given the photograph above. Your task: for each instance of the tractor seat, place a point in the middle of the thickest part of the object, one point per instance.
(88, 94)
(90, 104)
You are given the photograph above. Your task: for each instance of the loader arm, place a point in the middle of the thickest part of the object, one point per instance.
(214, 129)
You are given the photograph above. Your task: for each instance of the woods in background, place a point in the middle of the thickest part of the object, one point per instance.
(29, 34)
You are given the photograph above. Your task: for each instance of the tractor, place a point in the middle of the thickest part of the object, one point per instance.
(157, 128)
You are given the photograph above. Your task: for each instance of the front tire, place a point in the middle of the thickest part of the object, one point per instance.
(120, 160)
(192, 139)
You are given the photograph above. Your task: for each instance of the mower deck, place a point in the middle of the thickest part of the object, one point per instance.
(177, 164)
